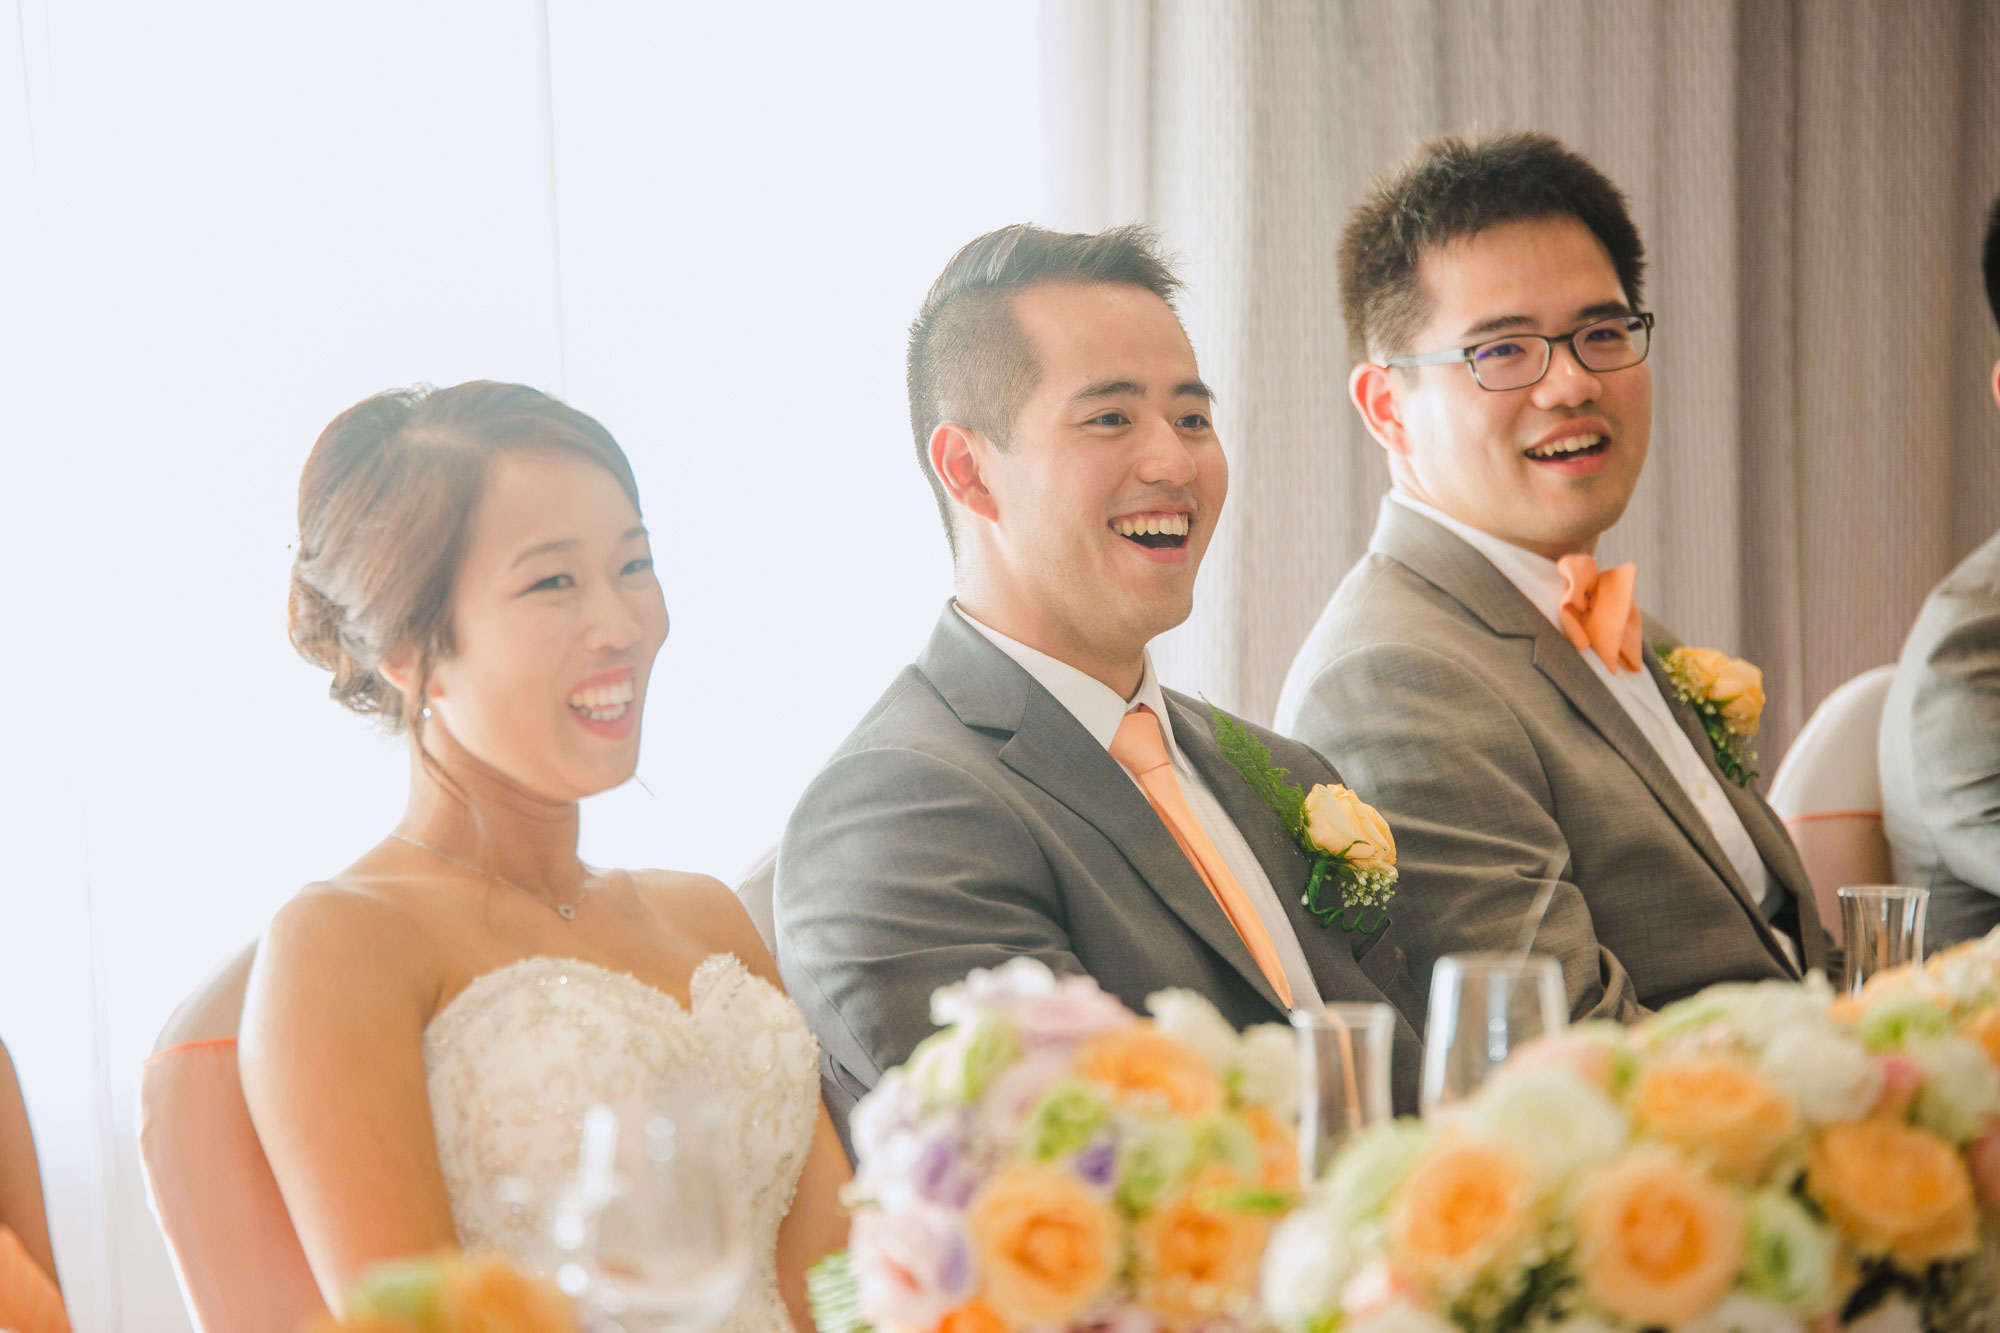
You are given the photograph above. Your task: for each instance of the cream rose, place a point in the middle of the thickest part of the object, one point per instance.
(1739, 688)
(1340, 822)
(1702, 667)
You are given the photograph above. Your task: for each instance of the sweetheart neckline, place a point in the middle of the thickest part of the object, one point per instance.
(487, 980)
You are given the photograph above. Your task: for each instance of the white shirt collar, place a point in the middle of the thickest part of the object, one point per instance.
(1537, 576)
(1094, 704)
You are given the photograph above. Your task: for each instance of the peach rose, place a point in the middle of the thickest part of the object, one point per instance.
(1277, 1148)
(1984, 1029)
(1739, 689)
(1716, 1110)
(975, 1316)
(486, 1294)
(1895, 1189)
(1146, 1069)
(1702, 666)
(1046, 1247)
(1197, 1261)
(1659, 1242)
(1340, 822)
(1463, 1207)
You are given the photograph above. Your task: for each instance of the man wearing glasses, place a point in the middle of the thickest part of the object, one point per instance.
(1476, 677)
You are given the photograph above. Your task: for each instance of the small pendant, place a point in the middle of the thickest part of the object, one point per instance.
(568, 912)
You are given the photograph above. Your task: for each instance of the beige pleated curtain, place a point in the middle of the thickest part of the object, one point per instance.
(1811, 179)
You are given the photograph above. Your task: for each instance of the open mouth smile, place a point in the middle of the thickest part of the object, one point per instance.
(1569, 447)
(1155, 532)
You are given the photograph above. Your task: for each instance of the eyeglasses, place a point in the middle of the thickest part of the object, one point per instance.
(1521, 359)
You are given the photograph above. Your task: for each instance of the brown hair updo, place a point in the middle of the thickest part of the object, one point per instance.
(385, 510)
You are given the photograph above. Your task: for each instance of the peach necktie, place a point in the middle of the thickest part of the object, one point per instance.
(1143, 751)
(1598, 614)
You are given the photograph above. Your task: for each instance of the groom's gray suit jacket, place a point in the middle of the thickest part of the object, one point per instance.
(970, 818)
(1501, 761)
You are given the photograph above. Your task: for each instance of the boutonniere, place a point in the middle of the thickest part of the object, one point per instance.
(1353, 854)
(1727, 693)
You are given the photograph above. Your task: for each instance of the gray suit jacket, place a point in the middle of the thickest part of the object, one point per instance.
(1941, 753)
(1506, 768)
(970, 818)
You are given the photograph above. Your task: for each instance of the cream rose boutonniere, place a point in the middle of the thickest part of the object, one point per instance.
(1353, 854)
(1728, 694)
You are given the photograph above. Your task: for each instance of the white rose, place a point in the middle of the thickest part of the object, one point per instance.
(1551, 1116)
(1195, 1023)
(1828, 1075)
(1961, 1088)
(1307, 1261)
(1371, 1168)
(1741, 1313)
(1340, 822)
(1267, 1070)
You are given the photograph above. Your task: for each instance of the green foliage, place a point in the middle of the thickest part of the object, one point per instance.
(1252, 758)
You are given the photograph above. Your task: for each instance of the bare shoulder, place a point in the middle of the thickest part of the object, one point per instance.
(352, 932)
(706, 910)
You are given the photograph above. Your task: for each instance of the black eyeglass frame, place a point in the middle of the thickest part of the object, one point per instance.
(1452, 355)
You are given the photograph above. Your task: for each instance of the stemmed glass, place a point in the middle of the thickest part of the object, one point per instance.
(655, 1229)
(1483, 1006)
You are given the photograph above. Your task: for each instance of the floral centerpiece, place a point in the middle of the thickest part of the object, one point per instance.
(451, 1293)
(1756, 1158)
(1050, 1160)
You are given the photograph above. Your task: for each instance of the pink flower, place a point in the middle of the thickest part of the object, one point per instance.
(1005, 1107)
(1983, 1156)
(913, 1265)
(1046, 1009)
(1901, 1078)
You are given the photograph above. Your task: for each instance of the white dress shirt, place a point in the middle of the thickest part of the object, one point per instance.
(1100, 710)
(1543, 584)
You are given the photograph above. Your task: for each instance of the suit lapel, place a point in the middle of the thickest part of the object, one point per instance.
(1050, 748)
(1468, 577)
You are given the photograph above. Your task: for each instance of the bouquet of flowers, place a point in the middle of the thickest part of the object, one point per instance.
(451, 1293)
(1755, 1158)
(1050, 1160)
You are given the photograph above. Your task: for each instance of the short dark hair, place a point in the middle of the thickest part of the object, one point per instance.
(1990, 264)
(1453, 188)
(969, 362)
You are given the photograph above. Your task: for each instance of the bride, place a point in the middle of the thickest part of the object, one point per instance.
(425, 1028)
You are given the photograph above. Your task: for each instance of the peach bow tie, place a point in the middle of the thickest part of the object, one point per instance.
(1597, 611)
(1143, 751)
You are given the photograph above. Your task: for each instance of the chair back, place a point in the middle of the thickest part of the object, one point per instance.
(238, 1259)
(755, 893)
(1829, 793)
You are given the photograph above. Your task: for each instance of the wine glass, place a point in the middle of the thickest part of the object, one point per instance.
(1343, 1077)
(655, 1228)
(1483, 1005)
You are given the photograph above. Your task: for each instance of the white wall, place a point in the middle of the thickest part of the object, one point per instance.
(222, 223)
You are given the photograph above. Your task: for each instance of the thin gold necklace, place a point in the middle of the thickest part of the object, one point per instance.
(567, 911)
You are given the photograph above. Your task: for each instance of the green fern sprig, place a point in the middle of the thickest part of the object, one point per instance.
(1252, 758)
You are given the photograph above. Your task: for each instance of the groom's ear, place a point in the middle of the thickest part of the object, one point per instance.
(958, 455)
(1375, 399)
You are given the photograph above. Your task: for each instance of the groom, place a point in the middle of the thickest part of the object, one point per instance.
(1498, 697)
(1026, 788)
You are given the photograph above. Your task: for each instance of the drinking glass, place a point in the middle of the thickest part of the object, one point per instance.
(1884, 928)
(1483, 1005)
(655, 1230)
(1343, 1077)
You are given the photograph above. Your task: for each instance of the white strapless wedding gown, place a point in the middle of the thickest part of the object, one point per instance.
(517, 1056)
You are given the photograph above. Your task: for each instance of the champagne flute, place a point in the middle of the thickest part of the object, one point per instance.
(1483, 1005)
(655, 1228)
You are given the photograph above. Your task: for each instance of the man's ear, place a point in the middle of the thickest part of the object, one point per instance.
(956, 457)
(1375, 398)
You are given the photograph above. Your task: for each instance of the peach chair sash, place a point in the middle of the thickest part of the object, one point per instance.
(29, 1301)
(239, 1261)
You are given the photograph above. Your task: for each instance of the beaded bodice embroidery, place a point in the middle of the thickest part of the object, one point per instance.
(517, 1056)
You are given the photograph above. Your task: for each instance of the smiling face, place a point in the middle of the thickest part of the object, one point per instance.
(1090, 526)
(1548, 467)
(556, 619)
